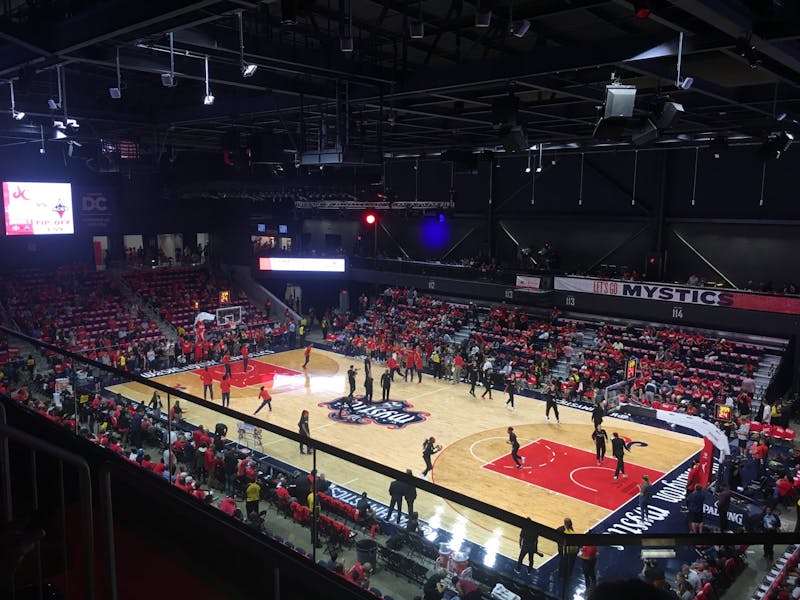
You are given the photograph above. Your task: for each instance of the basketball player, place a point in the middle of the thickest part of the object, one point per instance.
(303, 430)
(511, 388)
(429, 448)
(618, 451)
(386, 384)
(307, 353)
(528, 545)
(473, 377)
(512, 439)
(600, 438)
(487, 383)
(351, 380)
(266, 400)
(598, 412)
(551, 397)
(368, 387)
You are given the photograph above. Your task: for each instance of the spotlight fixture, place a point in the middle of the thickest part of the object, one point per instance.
(619, 100)
(539, 166)
(168, 78)
(416, 29)
(776, 145)
(528, 168)
(52, 104)
(683, 83)
(116, 92)
(41, 132)
(17, 115)
(667, 113)
(520, 28)
(718, 147)
(248, 69)
(746, 49)
(208, 99)
(641, 8)
(483, 17)
(346, 44)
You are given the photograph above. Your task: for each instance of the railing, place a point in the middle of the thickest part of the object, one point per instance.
(443, 511)
(36, 447)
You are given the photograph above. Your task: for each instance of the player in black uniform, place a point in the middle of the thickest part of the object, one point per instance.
(473, 377)
(511, 389)
(351, 380)
(551, 396)
(512, 439)
(618, 451)
(600, 438)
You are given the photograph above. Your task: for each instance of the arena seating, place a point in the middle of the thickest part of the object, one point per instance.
(76, 308)
(178, 294)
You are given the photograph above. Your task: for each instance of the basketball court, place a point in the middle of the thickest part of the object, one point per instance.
(560, 477)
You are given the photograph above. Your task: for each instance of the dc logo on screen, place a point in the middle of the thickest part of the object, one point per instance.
(394, 414)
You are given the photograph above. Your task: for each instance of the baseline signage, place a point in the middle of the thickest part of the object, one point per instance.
(680, 294)
(526, 283)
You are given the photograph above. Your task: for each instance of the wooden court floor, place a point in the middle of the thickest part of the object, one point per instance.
(473, 433)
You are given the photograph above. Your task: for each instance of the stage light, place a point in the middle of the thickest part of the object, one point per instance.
(776, 145)
(641, 8)
(168, 79)
(248, 69)
(528, 168)
(520, 28)
(747, 50)
(416, 30)
(17, 115)
(371, 219)
(718, 147)
(208, 99)
(620, 100)
(483, 18)
(346, 44)
(116, 92)
(441, 218)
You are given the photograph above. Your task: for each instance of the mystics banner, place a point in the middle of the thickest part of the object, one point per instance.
(681, 294)
(527, 283)
(706, 462)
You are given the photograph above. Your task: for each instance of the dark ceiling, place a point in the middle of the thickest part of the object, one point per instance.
(393, 94)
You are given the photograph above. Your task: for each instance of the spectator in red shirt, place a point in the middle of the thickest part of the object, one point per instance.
(226, 362)
(207, 379)
(266, 399)
(225, 388)
(228, 506)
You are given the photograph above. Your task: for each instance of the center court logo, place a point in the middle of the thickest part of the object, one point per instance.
(394, 414)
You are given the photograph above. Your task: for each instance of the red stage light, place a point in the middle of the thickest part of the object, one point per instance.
(371, 219)
(641, 9)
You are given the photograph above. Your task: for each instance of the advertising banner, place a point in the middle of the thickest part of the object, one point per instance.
(680, 294)
(316, 265)
(526, 282)
(96, 211)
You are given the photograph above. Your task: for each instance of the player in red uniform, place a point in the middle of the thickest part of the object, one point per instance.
(207, 379)
(307, 353)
